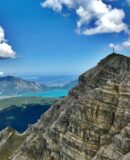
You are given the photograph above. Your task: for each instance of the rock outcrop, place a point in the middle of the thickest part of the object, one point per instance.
(91, 123)
(10, 141)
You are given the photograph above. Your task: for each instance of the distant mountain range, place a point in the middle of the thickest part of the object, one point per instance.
(70, 85)
(10, 85)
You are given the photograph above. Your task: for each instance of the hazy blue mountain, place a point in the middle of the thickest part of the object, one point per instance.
(70, 85)
(10, 85)
(50, 80)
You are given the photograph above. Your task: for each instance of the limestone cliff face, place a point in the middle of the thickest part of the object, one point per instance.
(91, 123)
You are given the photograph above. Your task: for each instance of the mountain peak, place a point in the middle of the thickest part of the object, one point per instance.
(114, 67)
(8, 77)
(115, 57)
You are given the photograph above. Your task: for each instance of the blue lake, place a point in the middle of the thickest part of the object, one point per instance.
(20, 117)
(51, 93)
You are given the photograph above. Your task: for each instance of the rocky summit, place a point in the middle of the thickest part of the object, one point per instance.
(91, 123)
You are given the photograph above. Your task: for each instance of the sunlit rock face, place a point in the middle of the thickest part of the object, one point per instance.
(91, 123)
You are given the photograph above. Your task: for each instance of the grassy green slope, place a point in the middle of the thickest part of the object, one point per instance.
(23, 101)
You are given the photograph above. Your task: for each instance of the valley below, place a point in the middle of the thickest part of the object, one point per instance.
(25, 98)
(20, 112)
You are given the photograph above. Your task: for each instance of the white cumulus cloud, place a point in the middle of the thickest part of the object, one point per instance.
(125, 45)
(1, 34)
(1, 73)
(120, 47)
(104, 18)
(6, 50)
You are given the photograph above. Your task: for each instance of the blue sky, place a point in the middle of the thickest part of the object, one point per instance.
(45, 40)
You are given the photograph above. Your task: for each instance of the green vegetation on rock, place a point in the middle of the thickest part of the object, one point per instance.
(10, 141)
